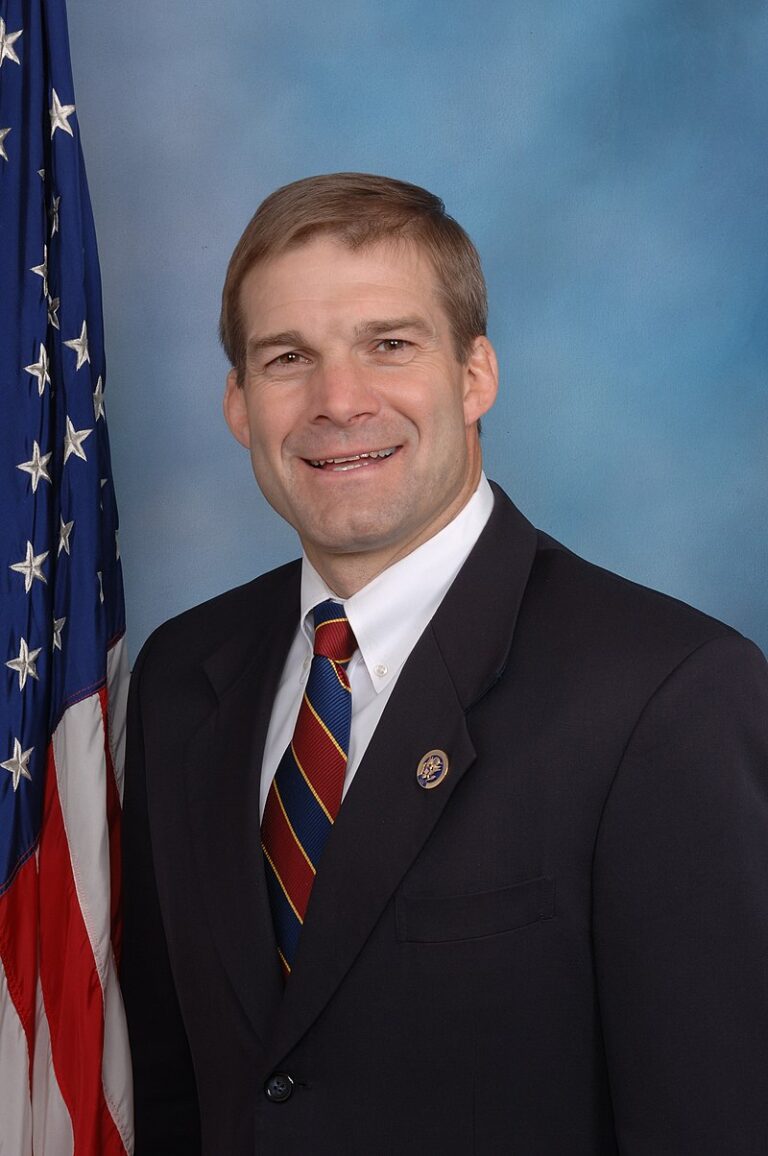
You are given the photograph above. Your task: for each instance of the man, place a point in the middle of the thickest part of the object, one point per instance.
(537, 921)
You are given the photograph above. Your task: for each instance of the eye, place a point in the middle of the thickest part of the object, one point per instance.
(290, 358)
(393, 345)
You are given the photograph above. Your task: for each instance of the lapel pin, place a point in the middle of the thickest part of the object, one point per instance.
(432, 769)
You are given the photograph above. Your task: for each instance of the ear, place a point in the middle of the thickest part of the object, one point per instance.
(481, 380)
(236, 411)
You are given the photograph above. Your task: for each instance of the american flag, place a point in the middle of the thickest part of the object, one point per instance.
(65, 1084)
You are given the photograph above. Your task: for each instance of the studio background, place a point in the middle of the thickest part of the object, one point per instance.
(608, 159)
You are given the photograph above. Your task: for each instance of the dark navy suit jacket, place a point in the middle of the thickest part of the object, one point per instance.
(559, 951)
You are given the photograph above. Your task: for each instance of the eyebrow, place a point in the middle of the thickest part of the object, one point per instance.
(390, 324)
(374, 328)
(288, 337)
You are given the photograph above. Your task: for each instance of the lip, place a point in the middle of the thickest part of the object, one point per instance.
(356, 462)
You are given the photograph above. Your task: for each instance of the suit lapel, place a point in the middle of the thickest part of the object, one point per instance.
(386, 817)
(223, 766)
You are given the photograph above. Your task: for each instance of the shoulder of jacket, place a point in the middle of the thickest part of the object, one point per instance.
(615, 612)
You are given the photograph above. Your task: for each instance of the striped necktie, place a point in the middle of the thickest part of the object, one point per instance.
(305, 794)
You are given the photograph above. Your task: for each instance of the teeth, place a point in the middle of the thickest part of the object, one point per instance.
(353, 458)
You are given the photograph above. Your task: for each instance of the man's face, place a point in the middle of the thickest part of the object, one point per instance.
(359, 419)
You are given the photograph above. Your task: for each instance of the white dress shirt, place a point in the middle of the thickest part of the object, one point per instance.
(388, 616)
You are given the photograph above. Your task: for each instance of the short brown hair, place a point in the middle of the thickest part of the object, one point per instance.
(360, 209)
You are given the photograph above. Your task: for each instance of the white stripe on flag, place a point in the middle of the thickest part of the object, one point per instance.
(15, 1107)
(117, 705)
(116, 1067)
(116, 1070)
(81, 770)
(51, 1123)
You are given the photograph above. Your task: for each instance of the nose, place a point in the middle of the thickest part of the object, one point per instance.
(342, 393)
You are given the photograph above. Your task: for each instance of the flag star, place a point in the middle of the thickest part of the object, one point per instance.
(3, 134)
(41, 174)
(98, 399)
(36, 468)
(73, 441)
(53, 213)
(16, 765)
(31, 567)
(80, 346)
(25, 665)
(101, 585)
(58, 626)
(60, 114)
(42, 270)
(65, 529)
(7, 41)
(117, 545)
(40, 370)
(53, 309)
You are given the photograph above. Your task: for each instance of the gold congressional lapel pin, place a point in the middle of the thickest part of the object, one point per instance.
(432, 769)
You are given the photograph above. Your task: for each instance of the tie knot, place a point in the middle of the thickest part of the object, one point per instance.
(333, 634)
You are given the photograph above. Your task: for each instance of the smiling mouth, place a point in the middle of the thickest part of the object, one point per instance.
(353, 461)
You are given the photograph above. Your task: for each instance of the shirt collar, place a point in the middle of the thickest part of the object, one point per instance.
(389, 614)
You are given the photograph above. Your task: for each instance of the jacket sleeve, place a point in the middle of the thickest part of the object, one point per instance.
(680, 913)
(166, 1108)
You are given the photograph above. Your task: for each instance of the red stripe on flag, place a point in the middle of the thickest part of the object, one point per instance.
(18, 948)
(114, 827)
(74, 1001)
(295, 872)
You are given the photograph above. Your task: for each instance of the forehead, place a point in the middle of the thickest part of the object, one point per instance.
(324, 277)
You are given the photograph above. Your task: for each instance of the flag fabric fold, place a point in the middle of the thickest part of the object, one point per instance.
(65, 1083)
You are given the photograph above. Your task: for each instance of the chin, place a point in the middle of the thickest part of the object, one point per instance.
(359, 537)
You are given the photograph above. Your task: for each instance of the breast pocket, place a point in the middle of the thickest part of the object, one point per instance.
(446, 918)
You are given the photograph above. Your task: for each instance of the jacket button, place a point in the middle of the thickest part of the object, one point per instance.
(279, 1087)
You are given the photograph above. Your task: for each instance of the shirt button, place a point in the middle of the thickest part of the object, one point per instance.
(381, 670)
(279, 1087)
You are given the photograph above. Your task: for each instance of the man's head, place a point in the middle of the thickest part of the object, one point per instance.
(359, 210)
(360, 370)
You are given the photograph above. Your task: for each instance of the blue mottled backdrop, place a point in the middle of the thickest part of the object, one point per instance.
(610, 160)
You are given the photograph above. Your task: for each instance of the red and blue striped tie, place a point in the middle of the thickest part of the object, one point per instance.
(305, 794)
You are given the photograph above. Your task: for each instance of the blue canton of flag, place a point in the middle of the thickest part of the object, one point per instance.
(65, 1083)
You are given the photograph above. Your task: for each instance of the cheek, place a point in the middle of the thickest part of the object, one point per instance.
(275, 416)
(426, 406)
(267, 430)
(446, 417)
(265, 458)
